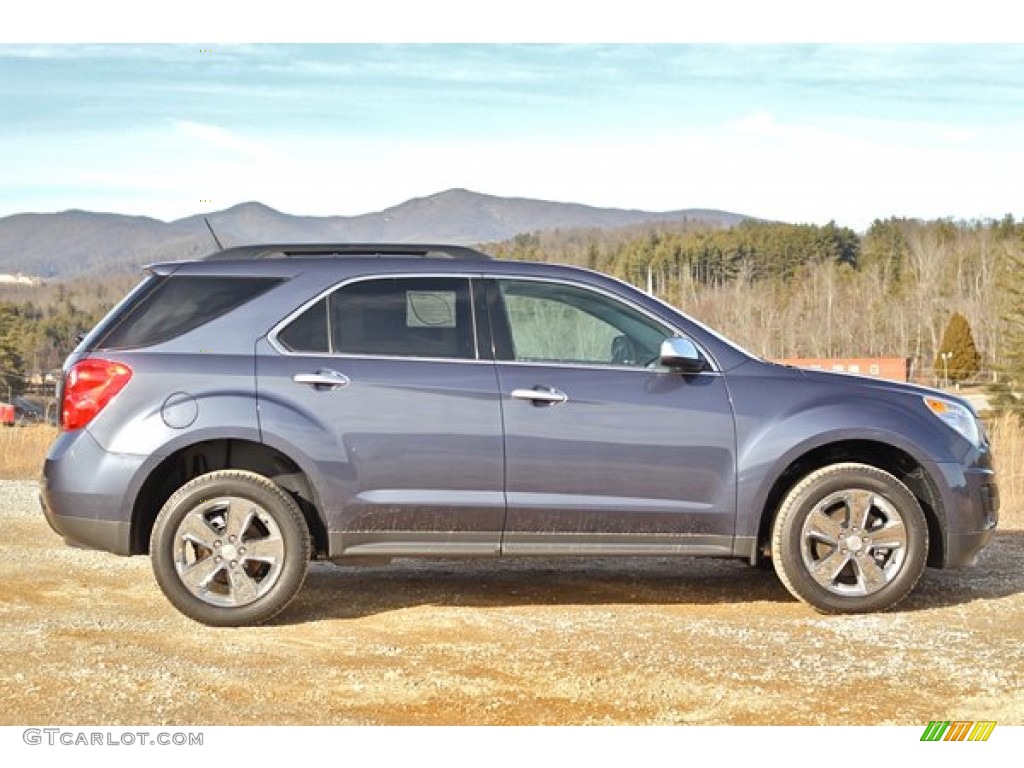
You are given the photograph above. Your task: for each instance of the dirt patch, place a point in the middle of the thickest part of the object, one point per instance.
(87, 638)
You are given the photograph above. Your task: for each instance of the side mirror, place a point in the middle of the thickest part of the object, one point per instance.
(682, 355)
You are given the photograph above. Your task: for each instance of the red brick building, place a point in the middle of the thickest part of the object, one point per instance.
(892, 368)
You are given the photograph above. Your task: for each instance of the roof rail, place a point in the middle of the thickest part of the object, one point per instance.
(329, 250)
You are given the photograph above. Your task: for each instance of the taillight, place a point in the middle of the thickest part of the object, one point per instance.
(89, 386)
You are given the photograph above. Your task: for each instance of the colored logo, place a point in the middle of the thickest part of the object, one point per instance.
(958, 730)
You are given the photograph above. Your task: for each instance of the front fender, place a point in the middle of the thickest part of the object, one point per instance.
(780, 418)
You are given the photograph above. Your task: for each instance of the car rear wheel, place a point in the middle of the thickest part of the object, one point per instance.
(230, 548)
(850, 538)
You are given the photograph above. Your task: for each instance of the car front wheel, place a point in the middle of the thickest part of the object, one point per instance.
(230, 548)
(850, 538)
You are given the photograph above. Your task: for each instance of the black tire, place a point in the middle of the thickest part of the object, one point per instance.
(230, 548)
(850, 538)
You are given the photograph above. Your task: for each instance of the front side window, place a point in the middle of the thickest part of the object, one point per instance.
(558, 323)
(391, 317)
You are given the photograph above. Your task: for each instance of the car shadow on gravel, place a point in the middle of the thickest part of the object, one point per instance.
(332, 592)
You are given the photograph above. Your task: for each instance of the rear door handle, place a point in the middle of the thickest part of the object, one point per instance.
(324, 378)
(545, 395)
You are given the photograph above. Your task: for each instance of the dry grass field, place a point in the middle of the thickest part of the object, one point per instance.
(22, 450)
(1007, 435)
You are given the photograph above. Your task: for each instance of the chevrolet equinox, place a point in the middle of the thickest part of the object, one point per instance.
(238, 416)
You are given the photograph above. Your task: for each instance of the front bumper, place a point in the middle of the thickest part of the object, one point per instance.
(971, 516)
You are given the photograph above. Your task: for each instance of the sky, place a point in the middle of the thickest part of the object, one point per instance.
(793, 130)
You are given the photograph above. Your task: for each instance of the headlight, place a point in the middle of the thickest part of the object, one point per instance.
(959, 417)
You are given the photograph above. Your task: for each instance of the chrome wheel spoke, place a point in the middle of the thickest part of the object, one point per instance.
(195, 528)
(827, 569)
(870, 575)
(237, 518)
(859, 503)
(822, 527)
(197, 576)
(268, 549)
(243, 588)
(891, 536)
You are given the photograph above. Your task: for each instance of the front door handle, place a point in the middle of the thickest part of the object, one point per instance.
(324, 378)
(545, 395)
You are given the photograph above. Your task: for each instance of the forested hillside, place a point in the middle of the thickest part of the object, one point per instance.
(38, 324)
(784, 290)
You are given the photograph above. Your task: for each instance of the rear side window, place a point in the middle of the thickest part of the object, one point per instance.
(180, 304)
(390, 317)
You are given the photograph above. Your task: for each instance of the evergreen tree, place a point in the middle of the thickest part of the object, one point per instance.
(885, 245)
(958, 358)
(1008, 393)
(11, 364)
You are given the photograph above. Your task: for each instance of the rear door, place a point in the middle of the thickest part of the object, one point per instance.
(606, 452)
(380, 387)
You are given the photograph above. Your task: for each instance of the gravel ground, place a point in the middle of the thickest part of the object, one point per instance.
(87, 638)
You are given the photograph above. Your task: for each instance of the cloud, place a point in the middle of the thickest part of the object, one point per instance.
(762, 124)
(230, 141)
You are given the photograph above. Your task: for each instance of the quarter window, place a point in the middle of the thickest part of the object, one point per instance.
(172, 306)
(308, 332)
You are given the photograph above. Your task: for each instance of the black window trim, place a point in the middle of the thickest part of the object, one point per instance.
(484, 315)
(472, 278)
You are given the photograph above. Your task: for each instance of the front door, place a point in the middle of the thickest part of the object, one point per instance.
(606, 452)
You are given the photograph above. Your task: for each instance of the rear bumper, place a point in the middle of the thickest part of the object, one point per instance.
(83, 493)
(90, 533)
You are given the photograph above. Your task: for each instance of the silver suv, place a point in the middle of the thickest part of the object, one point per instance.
(237, 416)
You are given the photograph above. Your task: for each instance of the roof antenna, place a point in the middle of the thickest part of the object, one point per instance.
(214, 234)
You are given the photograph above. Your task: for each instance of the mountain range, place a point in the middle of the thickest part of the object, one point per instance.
(70, 243)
